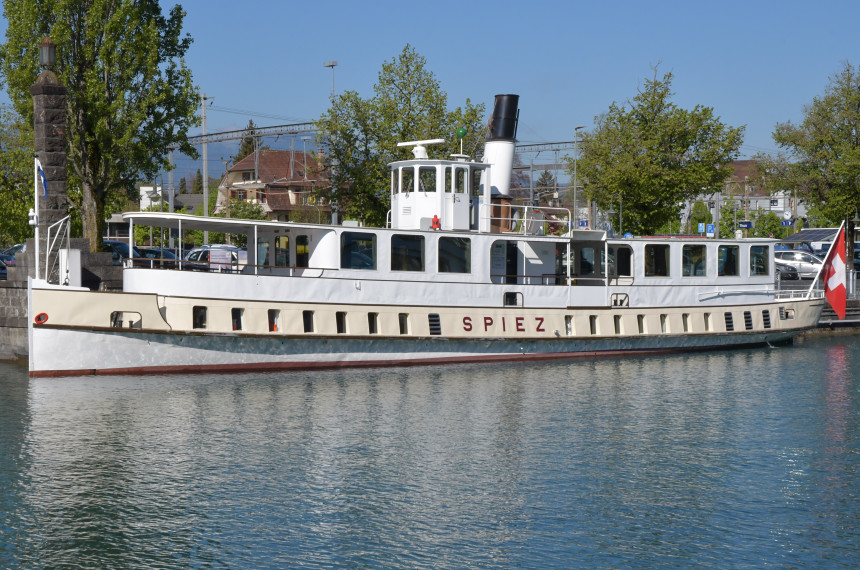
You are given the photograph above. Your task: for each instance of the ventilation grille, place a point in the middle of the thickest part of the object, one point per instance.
(730, 324)
(748, 323)
(765, 315)
(435, 324)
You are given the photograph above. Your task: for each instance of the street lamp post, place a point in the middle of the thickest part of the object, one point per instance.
(575, 149)
(332, 64)
(305, 140)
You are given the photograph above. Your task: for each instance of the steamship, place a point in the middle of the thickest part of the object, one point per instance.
(459, 274)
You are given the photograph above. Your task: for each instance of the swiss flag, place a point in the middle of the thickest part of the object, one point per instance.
(833, 274)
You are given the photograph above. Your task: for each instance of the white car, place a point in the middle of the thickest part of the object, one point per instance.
(807, 264)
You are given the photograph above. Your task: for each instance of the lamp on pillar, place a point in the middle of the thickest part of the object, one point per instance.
(47, 53)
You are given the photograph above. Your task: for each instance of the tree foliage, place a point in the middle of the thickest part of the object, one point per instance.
(361, 135)
(652, 156)
(130, 94)
(247, 146)
(16, 177)
(820, 157)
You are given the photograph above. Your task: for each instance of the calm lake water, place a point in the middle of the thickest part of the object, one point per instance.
(746, 458)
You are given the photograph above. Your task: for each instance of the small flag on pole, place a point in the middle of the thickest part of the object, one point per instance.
(42, 176)
(833, 274)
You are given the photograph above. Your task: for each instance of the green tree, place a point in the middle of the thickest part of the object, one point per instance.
(730, 213)
(544, 185)
(655, 156)
(820, 157)
(130, 94)
(246, 147)
(16, 177)
(361, 135)
(766, 224)
(197, 184)
(700, 215)
(183, 185)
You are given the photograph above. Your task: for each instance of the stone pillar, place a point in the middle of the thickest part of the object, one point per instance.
(49, 130)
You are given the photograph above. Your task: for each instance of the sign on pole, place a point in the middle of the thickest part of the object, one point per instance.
(710, 230)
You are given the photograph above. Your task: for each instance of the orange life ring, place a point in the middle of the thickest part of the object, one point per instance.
(41, 319)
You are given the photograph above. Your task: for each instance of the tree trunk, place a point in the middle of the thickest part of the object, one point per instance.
(92, 217)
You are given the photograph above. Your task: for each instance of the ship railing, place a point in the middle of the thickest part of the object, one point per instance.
(56, 268)
(526, 219)
(544, 279)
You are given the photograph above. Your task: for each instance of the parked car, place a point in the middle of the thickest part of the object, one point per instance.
(17, 248)
(216, 257)
(9, 260)
(786, 271)
(3, 273)
(120, 250)
(807, 264)
(160, 257)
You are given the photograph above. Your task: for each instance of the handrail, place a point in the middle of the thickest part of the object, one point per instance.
(50, 243)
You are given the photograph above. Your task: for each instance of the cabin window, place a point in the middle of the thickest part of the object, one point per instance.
(263, 252)
(513, 299)
(707, 320)
(282, 251)
(640, 323)
(198, 317)
(586, 261)
(759, 260)
(663, 324)
(357, 250)
(302, 250)
(455, 255)
(372, 323)
(620, 261)
(657, 260)
(308, 321)
(427, 178)
(274, 320)
(340, 319)
(568, 325)
(461, 176)
(694, 260)
(727, 260)
(685, 321)
(592, 324)
(407, 253)
(403, 320)
(407, 179)
(617, 321)
(236, 317)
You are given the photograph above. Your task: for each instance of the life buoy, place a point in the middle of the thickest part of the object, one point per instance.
(41, 319)
(435, 224)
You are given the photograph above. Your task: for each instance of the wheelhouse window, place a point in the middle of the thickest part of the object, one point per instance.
(407, 179)
(407, 253)
(694, 260)
(357, 250)
(455, 255)
(727, 260)
(759, 260)
(427, 178)
(656, 260)
(621, 261)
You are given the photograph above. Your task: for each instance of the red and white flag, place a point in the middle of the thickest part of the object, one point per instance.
(833, 274)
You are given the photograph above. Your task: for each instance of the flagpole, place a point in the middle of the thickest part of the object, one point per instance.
(36, 207)
(829, 249)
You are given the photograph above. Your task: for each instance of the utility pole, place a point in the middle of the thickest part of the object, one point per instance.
(205, 167)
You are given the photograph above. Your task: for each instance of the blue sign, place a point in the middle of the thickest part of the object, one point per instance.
(701, 227)
(710, 230)
(583, 223)
(745, 225)
(628, 235)
(787, 223)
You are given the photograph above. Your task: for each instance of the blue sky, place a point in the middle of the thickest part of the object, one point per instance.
(756, 62)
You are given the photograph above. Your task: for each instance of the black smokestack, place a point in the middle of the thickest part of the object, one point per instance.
(503, 124)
